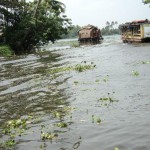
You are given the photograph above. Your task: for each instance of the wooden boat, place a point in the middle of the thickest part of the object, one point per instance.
(136, 31)
(89, 34)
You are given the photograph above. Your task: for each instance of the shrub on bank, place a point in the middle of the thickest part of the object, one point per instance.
(5, 50)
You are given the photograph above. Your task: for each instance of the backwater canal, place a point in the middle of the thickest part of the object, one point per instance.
(48, 104)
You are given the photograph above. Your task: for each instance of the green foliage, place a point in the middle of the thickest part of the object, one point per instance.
(72, 33)
(78, 67)
(62, 124)
(135, 73)
(110, 28)
(83, 67)
(33, 23)
(8, 144)
(146, 1)
(109, 98)
(48, 136)
(96, 119)
(145, 62)
(5, 50)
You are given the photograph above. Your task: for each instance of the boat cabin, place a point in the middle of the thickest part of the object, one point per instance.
(136, 31)
(89, 33)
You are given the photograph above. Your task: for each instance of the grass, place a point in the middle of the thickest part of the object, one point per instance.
(5, 50)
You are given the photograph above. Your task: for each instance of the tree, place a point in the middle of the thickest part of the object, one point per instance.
(29, 24)
(110, 28)
(146, 1)
(72, 33)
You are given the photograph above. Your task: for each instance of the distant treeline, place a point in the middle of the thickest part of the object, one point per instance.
(111, 28)
(72, 33)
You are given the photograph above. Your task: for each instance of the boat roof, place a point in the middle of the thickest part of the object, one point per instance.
(88, 27)
(135, 23)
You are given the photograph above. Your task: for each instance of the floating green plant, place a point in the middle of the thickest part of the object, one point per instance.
(109, 98)
(97, 80)
(48, 136)
(62, 125)
(8, 144)
(78, 67)
(76, 82)
(145, 62)
(96, 119)
(15, 127)
(81, 68)
(60, 69)
(116, 148)
(105, 79)
(57, 115)
(135, 73)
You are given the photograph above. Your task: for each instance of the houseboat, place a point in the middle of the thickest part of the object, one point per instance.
(89, 34)
(136, 31)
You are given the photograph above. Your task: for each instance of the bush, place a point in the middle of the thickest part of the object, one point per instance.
(5, 50)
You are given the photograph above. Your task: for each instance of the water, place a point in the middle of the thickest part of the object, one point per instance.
(28, 88)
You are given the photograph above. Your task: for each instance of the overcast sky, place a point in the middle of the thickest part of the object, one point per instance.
(97, 12)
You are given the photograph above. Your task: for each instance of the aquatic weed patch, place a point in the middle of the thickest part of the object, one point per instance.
(62, 125)
(106, 79)
(60, 69)
(79, 68)
(48, 136)
(145, 62)
(96, 119)
(8, 144)
(106, 100)
(13, 129)
(135, 73)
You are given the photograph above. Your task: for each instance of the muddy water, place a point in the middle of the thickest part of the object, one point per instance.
(122, 74)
